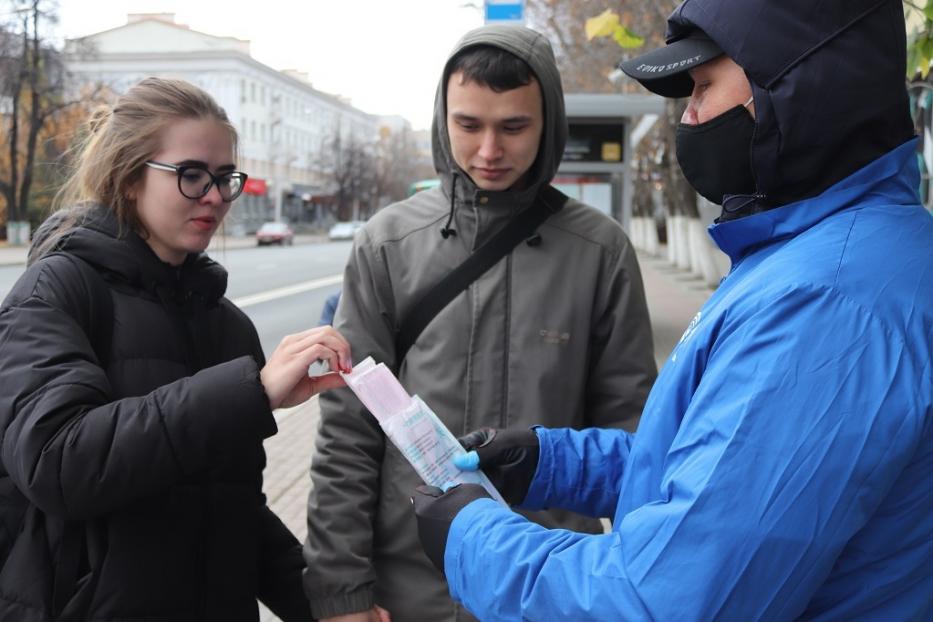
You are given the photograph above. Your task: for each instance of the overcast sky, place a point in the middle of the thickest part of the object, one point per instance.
(385, 55)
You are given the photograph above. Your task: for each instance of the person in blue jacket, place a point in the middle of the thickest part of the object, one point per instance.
(782, 468)
(330, 308)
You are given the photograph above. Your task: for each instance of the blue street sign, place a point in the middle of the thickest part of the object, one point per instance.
(505, 11)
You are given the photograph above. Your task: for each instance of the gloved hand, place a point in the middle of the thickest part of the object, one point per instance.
(436, 509)
(509, 458)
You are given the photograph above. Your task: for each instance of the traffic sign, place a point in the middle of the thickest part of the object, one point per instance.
(505, 11)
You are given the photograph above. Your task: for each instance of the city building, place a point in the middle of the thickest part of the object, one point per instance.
(287, 128)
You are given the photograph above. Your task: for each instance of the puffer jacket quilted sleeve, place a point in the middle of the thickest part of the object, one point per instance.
(73, 450)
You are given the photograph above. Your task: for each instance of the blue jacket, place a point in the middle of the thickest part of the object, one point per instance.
(783, 464)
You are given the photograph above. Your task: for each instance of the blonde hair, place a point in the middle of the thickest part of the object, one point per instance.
(119, 140)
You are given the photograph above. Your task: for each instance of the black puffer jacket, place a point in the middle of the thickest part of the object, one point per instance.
(159, 456)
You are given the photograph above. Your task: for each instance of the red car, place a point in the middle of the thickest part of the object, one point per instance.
(274, 233)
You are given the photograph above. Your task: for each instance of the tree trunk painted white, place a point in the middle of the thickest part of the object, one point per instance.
(644, 235)
(695, 247)
(703, 253)
(18, 233)
(671, 239)
(652, 245)
(637, 234)
(683, 243)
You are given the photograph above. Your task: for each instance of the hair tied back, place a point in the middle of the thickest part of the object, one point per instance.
(99, 118)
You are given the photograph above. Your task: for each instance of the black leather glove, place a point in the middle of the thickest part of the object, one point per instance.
(509, 458)
(435, 510)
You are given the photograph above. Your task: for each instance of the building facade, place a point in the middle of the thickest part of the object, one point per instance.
(286, 126)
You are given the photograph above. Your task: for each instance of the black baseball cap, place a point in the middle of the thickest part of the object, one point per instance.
(664, 70)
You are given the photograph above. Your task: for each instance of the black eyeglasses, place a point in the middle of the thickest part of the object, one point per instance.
(195, 181)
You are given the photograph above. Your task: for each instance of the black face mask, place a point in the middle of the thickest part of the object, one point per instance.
(716, 156)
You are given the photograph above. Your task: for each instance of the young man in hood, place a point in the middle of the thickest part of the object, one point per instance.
(782, 466)
(556, 333)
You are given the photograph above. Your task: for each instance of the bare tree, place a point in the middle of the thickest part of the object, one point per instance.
(398, 165)
(29, 72)
(34, 104)
(351, 165)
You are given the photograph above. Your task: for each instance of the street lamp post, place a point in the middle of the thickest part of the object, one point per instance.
(275, 153)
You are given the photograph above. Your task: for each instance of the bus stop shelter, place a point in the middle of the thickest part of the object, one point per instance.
(604, 129)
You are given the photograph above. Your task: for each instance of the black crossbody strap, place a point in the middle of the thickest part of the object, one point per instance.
(549, 201)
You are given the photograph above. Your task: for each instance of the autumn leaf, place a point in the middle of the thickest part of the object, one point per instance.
(603, 25)
(626, 38)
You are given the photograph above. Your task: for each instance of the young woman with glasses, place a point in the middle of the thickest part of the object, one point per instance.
(135, 397)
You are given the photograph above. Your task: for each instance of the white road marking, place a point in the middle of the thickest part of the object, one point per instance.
(291, 290)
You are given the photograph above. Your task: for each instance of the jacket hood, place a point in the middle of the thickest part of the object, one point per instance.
(535, 50)
(98, 239)
(828, 80)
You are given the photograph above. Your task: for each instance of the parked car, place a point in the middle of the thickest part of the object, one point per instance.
(274, 233)
(345, 230)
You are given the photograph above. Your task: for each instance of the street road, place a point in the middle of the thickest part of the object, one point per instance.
(8, 276)
(282, 289)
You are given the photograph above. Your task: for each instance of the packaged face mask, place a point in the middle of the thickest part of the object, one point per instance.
(413, 428)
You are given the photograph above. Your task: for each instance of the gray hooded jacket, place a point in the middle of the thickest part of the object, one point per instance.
(555, 334)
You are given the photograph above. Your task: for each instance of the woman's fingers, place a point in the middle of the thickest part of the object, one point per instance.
(285, 376)
(300, 344)
(309, 386)
(326, 382)
(319, 352)
(319, 333)
(329, 342)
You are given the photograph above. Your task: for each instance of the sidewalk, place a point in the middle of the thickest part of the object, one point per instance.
(286, 479)
(16, 255)
(12, 255)
(674, 297)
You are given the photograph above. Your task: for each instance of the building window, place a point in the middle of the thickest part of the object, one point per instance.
(252, 91)
(262, 132)
(262, 95)
(243, 95)
(252, 132)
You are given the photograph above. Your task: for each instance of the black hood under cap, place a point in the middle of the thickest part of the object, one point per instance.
(828, 78)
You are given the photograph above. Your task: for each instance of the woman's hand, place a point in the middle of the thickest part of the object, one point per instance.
(285, 376)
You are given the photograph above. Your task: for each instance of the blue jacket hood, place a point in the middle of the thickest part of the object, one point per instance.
(828, 80)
